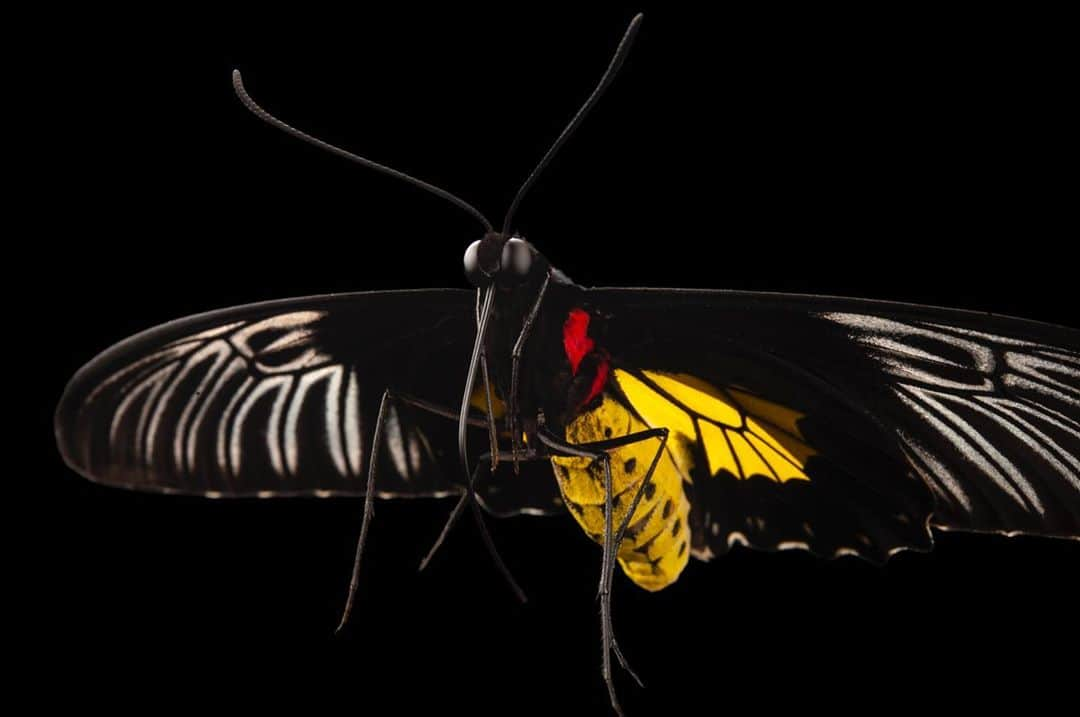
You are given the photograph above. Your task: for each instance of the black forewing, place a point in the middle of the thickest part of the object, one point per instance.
(275, 398)
(969, 420)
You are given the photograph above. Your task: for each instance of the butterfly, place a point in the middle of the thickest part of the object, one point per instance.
(670, 424)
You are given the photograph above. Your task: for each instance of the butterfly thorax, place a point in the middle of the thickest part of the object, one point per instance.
(549, 384)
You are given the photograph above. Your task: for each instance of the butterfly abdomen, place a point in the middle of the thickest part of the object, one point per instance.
(656, 546)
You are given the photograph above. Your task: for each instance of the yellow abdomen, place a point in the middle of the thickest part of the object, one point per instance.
(656, 546)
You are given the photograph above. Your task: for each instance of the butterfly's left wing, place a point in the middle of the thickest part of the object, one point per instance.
(850, 426)
(276, 398)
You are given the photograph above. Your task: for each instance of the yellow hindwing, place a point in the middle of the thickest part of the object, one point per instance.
(740, 434)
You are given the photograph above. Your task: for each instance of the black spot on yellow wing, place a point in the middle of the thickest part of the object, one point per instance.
(657, 563)
(634, 529)
(645, 547)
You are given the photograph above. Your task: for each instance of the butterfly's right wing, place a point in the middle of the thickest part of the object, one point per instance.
(848, 426)
(277, 398)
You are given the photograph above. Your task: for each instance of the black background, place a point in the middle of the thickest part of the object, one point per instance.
(912, 157)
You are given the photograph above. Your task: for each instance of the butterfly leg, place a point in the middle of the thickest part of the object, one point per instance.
(468, 499)
(493, 432)
(515, 365)
(398, 399)
(612, 538)
(493, 438)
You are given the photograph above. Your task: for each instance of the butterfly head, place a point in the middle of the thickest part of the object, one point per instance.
(507, 261)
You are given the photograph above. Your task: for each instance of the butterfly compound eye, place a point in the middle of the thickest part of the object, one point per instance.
(482, 259)
(473, 273)
(516, 258)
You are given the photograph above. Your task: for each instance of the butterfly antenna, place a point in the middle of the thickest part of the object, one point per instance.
(609, 75)
(238, 85)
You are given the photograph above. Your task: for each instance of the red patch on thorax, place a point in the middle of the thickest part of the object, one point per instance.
(578, 345)
(575, 338)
